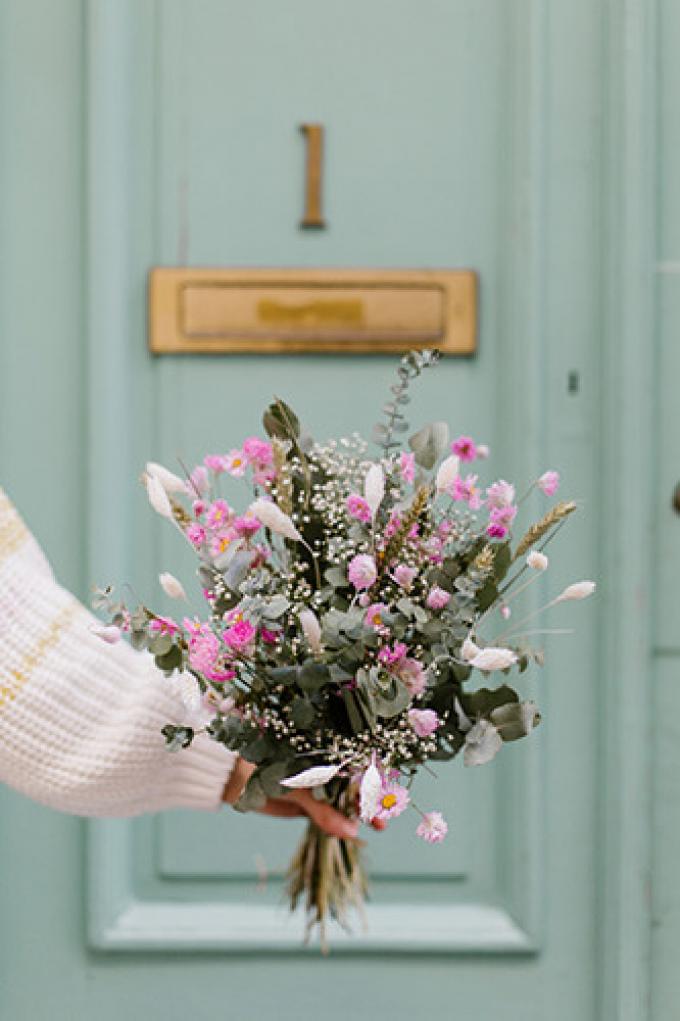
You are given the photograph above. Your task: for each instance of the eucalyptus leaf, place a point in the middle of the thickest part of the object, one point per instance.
(237, 570)
(483, 701)
(312, 676)
(429, 443)
(302, 713)
(160, 644)
(275, 607)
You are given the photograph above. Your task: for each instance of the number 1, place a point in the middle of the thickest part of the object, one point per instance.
(313, 216)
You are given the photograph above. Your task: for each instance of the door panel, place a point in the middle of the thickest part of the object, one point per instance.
(460, 133)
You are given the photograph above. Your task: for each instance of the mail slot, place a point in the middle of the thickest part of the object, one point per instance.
(279, 311)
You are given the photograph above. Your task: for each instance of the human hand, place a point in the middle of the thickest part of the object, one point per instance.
(295, 803)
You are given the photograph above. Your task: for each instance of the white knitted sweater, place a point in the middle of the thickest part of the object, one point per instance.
(80, 721)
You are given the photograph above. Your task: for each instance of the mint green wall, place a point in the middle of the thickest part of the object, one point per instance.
(556, 212)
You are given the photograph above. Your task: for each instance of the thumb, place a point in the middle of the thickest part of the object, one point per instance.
(327, 818)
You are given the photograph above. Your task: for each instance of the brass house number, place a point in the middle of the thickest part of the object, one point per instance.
(313, 216)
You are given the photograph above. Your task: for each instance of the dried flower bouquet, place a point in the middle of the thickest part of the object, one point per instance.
(347, 619)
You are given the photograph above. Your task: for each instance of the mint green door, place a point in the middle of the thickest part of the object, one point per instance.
(465, 133)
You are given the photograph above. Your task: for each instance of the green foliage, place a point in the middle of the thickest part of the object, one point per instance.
(410, 367)
(429, 444)
(177, 737)
(281, 422)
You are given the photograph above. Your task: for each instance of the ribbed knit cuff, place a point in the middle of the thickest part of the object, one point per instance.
(197, 775)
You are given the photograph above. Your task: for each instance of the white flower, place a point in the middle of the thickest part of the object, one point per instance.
(464, 721)
(448, 470)
(482, 450)
(374, 488)
(537, 561)
(369, 792)
(482, 744)
(314, 777)
(493, 658)
(311, 630)
(273, 518)
(172, 586)
(170, 482)
(579, 590)
(469, 650)
(158, 498)
(108, 633)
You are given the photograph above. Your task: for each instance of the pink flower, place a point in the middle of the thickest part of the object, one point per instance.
(465, 489)
(407, 467)
(496, 531)
(263, 476)
(392, 525)
(215, 462)
(220, 675)
(195, 534)
(392, 656)
(433, 828)
(235, 463)
(240, 635)
(500, 520)
(374, 615)
(392, 801)
(362, 571)
(548, 482)
(221, 541)
(204, 650)
(464, 448)
(503, 515)
(358, 508)
(411, 672)
(163, 626)
(198, 507)
(437, 598)
(500, 494)
(404, 576)
(219, 513)
(423, 721)
(199, 481)
(258, 452)
(269, 637)
(247, 525)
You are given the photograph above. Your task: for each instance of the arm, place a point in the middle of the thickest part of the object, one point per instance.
(80, 721)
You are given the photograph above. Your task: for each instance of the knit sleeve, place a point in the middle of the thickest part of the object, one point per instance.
(80, 721)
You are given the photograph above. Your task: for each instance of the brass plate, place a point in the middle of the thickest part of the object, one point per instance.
(289, 311)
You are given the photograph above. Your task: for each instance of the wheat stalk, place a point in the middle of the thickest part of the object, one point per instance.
(536, 532)
(395, 544)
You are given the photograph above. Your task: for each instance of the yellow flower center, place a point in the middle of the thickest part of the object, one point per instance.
(224, 541)
(389, 801)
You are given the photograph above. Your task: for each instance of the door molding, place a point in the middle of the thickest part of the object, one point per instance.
(627, 372)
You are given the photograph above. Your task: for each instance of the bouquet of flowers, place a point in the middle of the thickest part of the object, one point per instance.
(347, 618)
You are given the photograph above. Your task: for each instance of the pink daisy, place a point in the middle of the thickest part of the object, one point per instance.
(235, 463)
(433, 828)
(357, 508)
(393, 801)
(464, 448)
